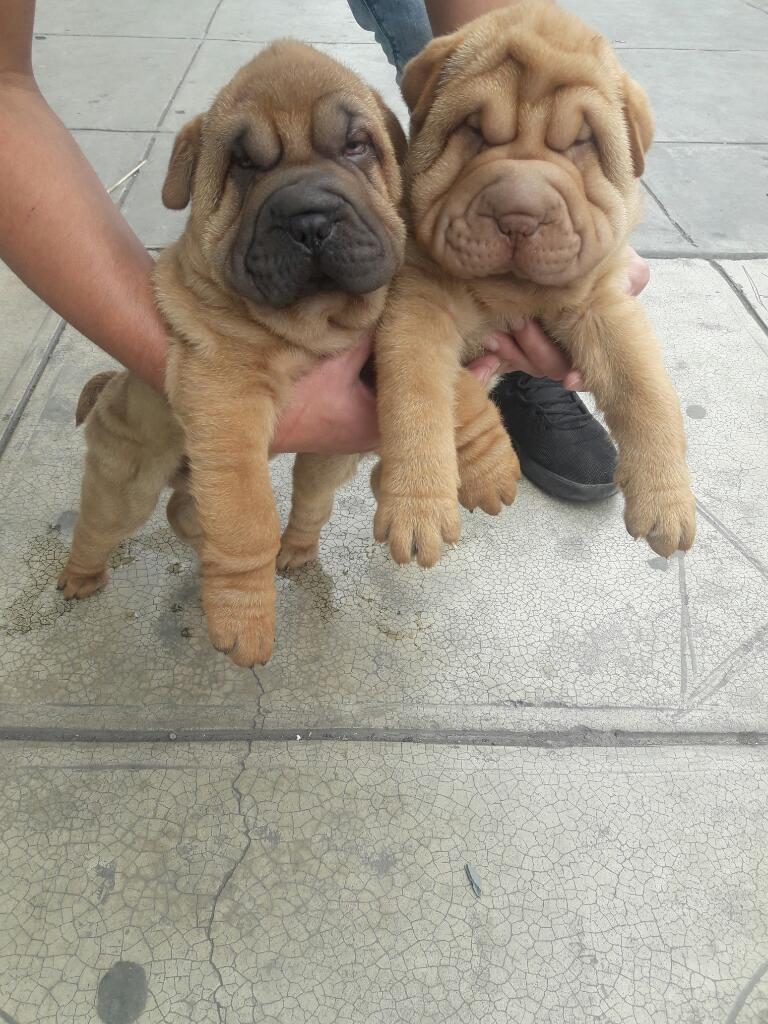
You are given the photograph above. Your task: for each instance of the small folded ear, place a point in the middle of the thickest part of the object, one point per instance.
(639, 119)
(419, 82)
(177, 187)
(394, 131)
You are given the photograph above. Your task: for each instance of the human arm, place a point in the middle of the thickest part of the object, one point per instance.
(59, 229)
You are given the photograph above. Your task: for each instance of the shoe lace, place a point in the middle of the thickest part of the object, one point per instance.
(551, 401)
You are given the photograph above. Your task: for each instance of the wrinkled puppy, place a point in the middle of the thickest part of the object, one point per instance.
(526, 140)
(292, 239)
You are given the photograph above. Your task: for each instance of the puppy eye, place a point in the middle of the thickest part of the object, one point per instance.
(473, 123)
(357, 146)
(585, 135)
(240, 158)
(243, 161)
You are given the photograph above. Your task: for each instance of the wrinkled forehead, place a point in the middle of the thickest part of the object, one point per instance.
(524, 67)
(289, 101)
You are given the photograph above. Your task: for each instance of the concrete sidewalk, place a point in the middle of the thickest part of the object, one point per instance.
(583, 723)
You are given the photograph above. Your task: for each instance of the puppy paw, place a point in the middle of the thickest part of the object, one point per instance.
(296, 550)
(244, 631)
(665, 517)
(489, 475)
(416, 526)
(78, 585)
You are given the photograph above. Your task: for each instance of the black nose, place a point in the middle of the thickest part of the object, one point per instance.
(310, 229)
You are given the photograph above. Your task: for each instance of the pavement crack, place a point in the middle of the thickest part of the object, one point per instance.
(668, 215)
(743, 995)
(260, 692)
(743, 298)
(687, 647)
(721, 671)
(732, 539)
(238, 794)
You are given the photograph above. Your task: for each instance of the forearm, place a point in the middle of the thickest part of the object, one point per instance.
(63, 236)
(447, 15)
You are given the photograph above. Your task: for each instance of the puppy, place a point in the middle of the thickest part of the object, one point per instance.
(526, 141)
(292, 239)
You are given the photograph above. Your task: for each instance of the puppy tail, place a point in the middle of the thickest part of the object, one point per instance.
(90, 394)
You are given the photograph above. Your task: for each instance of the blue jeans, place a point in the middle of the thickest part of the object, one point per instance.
(401, 27)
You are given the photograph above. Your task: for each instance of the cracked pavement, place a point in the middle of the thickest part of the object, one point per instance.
(583, 723)
(295, 882)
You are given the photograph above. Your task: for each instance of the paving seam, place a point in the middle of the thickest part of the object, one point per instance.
(702, 255)
(21, 405)
(668, 215)
(577, 737)
(345, 42)
(741, 295)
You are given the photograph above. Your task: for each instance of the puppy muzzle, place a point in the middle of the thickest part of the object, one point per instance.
(309, 236)
(521, 217)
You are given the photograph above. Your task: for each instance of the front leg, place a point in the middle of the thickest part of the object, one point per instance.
(613, 345)
(417, 360)
(228, 429)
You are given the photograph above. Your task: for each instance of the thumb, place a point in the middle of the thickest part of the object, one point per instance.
(484, 368)
(355, 358)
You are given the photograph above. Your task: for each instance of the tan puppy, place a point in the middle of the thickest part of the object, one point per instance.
(526, 140)
(291, 242)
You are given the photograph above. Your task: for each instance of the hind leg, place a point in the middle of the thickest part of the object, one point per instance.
(181, 511)
(315, 481)
(488, 466)
(133, 447)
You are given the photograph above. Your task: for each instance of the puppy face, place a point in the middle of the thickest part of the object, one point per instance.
(294, 180)
(526, 137)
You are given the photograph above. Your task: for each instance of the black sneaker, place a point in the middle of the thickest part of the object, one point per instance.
(562, 448)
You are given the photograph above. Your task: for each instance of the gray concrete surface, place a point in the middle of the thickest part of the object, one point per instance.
(298, 882)
(548, 609)
(584, 723)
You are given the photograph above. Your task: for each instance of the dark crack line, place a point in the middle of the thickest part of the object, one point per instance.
(261, 692)
(755, 7)
(755, 292)
(687, 649)
(32, 383)
(731, 537)
(228, 878)
(745, 647)
(741, 295)
(578, 736)
(668, 215)
(697, 254)
(704, 142)
(742, 997)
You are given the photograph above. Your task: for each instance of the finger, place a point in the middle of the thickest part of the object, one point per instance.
(542, 352)
(638, 273)
(364, 436)
(485, 368)
(508, 353)
(355, 358)
(504, 347)
(573, 381)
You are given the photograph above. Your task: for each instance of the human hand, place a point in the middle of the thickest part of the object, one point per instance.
(332, 411)
(528, 349)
